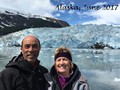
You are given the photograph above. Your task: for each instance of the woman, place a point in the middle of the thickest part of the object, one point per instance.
(64, 74)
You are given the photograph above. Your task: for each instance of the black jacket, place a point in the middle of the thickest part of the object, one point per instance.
(20, 75)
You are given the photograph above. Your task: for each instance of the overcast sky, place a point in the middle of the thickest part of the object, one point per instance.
(82, 16)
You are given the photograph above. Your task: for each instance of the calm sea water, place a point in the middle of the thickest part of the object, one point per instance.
(100, 67)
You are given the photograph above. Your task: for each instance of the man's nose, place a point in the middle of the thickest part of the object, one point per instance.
(30, 48)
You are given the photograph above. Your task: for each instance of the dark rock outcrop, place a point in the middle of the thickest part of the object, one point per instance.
(101, 45)
(10, 22)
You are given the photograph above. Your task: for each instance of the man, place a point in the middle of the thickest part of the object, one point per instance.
(24, 72)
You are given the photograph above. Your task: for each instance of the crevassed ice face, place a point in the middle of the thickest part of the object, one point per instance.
(62, 65)
(30, 49)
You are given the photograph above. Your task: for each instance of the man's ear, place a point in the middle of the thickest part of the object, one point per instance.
(21, 47)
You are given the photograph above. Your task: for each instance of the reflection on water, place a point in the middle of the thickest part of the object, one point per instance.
(101, 67)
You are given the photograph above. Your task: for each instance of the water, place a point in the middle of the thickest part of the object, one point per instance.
(100, 67)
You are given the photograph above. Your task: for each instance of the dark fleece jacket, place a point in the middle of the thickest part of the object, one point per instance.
(19, 74)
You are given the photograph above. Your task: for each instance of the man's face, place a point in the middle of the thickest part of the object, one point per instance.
(30, 48)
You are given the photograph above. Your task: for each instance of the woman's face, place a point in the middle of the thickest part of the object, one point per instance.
(63, 66)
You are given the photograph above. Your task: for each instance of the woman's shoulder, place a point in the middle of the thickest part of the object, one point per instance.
(82, 78)
(81, 84)
(48, 76)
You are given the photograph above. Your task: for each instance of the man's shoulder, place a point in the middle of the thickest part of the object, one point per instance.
(43, 69)
(9, 72)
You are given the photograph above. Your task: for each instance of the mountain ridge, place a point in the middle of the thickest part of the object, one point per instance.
(12, 21)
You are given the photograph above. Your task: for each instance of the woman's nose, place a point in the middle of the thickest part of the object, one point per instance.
(61, 61)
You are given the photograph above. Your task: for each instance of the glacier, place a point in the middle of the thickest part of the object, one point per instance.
(77, 36)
